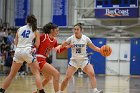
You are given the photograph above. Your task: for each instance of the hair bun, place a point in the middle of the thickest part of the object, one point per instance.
(81, 24)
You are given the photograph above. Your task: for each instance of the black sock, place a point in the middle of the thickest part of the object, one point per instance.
(41, 91)
(2, 90)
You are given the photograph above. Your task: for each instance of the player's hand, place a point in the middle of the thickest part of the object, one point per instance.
(33, 51)
(57, 49)
(69, 46)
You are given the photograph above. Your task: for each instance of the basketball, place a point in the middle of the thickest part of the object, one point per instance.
(105, 50)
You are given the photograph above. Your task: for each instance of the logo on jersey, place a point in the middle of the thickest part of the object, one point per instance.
(79, 45)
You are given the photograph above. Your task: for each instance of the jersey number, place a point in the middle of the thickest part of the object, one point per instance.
(78, 50)
(25, 33)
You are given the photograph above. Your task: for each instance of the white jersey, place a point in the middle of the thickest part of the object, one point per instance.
(25, 36)
(80, 46)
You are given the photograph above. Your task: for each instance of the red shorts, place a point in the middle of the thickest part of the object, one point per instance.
(41, 62)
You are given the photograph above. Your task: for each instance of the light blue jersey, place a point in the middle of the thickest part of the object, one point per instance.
(80, 46)
(23, 49)
(79, 57)
(25, 36)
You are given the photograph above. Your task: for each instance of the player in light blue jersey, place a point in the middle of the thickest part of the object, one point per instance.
(79, 59)
(23, 41)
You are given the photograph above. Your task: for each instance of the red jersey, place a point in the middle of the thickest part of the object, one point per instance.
(46, 45)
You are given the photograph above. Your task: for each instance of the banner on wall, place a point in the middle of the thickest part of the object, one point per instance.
(60, 12)
(22, 9)
(116, 9)
(117, 13)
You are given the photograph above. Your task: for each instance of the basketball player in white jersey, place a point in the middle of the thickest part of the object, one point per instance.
(79, 59)
(23, 41)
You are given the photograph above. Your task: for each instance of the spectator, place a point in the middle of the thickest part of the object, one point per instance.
(10, 38)
(8, 62)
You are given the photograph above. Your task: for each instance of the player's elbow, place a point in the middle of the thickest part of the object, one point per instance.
(37, 45)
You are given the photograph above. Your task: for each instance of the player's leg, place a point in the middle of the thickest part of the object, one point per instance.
(70, 71)
(14, 69)
(88, 69)
(30, 58)
(46, 79)
(51, 71)
(35, 70)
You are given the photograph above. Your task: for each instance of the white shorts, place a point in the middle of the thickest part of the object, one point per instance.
(79, 63)
(23, 55)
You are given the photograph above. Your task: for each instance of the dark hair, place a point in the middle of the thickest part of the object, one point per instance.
(31, 19)
(80, 25)
(47, 28)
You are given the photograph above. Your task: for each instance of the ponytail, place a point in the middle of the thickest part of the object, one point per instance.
(32, 21)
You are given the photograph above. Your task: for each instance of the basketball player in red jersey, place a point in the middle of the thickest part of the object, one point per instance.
(47, 43)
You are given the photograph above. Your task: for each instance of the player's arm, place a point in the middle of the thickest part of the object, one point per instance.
(37, 39)
(64, 44)
(16, 39)
(67, 43)
(92, 46)
(59, 48)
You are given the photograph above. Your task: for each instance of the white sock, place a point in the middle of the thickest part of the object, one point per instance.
(60, 92)
(95, 89)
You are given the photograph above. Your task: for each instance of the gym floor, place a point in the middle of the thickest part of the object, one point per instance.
(79, 84)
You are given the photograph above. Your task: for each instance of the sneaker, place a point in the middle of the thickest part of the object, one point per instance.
(2, 90)
(99, 91)
(41, 91)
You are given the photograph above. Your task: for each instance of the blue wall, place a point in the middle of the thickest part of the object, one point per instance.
(97, 60)
(135, 57)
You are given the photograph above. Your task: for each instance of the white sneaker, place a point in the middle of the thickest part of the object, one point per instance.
(99, 91)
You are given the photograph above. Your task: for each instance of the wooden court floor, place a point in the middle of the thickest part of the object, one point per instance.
(109, 84)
